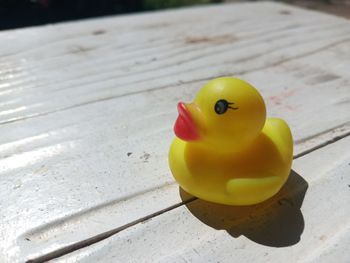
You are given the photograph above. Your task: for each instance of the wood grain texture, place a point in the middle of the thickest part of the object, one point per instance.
(275, 231)
(86, 119)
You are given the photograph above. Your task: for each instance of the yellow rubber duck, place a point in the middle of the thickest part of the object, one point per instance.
(225, 150)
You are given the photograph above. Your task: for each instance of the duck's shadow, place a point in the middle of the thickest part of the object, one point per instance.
(277, 222)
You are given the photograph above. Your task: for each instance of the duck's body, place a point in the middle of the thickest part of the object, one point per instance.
(226, 151)
(235, 178)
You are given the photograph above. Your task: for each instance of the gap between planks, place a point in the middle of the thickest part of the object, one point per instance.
(97, 238)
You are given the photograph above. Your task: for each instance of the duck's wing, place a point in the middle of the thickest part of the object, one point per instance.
(279, 132)
(248, 191)
(256, 188)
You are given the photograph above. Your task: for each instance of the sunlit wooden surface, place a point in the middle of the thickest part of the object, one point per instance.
(86, 116)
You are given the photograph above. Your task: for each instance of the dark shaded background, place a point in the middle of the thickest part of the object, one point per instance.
(23, 13)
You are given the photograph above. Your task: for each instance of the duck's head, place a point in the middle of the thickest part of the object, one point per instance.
(226, 115)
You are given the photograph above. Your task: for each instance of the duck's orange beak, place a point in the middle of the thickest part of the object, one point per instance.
(185, 127)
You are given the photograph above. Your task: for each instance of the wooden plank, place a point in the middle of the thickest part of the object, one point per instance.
(71, 55)
(85, 134)
(336, 248)
(202, 231)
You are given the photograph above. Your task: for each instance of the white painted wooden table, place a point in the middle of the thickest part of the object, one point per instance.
(86, 117)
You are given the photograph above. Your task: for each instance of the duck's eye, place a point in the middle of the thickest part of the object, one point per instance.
(221, 106)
